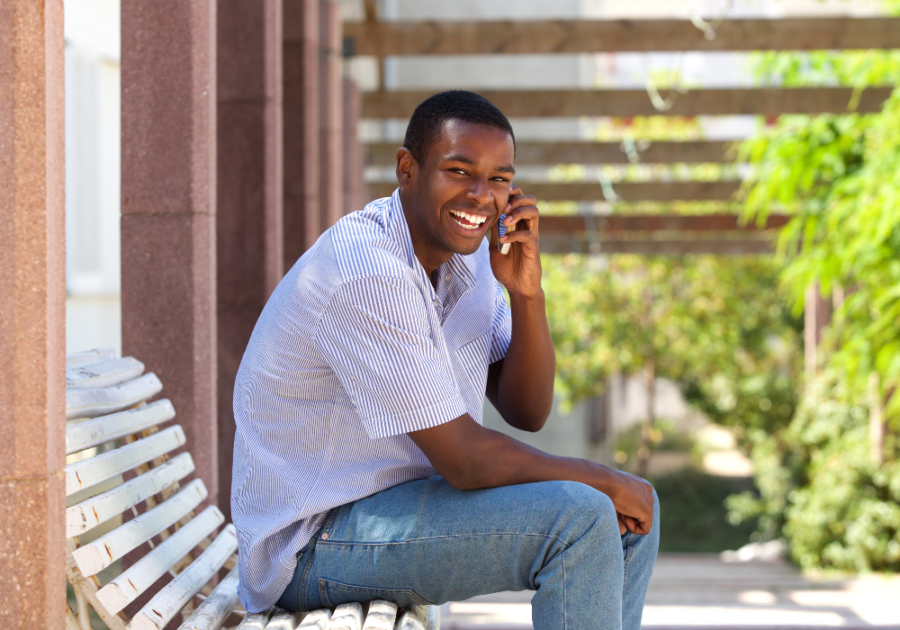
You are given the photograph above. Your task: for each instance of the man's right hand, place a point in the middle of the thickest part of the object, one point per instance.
(633, 499)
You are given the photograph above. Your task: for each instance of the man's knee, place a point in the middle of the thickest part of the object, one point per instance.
(580, 507)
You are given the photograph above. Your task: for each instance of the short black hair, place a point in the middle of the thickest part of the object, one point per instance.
(428, 120)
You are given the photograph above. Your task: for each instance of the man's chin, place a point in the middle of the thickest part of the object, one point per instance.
(468, 248)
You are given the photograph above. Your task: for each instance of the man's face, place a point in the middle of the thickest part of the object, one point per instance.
(458, 192)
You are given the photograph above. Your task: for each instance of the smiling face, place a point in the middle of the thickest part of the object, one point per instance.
(457, 193)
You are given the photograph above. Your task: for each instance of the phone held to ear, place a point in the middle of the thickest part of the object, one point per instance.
(503, 230)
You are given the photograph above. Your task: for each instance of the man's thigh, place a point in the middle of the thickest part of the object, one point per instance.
(426, 542)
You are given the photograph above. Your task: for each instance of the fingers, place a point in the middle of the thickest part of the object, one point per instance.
(521, 213)
(525, 237)
(635, 504)
(522, 208)
(627, 523)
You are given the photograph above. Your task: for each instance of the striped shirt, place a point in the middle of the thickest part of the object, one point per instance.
(354, 349)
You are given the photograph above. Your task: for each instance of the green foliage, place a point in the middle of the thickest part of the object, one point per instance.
(840, 176)
(819, 483)
(693, 515)
(820, 487)
(664, 437)
(717, 326)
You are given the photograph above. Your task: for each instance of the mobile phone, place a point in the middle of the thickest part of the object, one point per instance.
(502, 230)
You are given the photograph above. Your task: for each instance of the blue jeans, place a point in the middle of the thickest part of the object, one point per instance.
(424, 542)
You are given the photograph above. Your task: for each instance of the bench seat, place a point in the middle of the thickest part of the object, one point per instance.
(125, 495)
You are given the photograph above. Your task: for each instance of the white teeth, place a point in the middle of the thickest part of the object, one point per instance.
(471, 218)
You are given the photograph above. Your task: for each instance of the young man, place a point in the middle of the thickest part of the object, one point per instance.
(361, 467)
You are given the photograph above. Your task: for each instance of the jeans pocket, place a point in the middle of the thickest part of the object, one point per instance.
(335, 593)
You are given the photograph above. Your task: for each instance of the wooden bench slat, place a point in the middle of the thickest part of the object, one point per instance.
(104, 429)
(102, 552)
(414, 619)
(211, 614)
(346, 617)
(382, 615)
(125, 588)
(255, 621)
(99, 509)
(87, 403)
(163, 606)
(315, 620)
(104, 374)
(89, 472)
(89, 357)
(285, 620)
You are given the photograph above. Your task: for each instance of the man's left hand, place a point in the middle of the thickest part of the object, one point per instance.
(520, 269)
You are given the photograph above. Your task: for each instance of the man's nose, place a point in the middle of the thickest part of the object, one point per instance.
(480, 192)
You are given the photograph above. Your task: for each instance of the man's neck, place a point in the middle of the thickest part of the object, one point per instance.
(429, 254)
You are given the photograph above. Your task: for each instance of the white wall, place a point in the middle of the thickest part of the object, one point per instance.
(93, 313)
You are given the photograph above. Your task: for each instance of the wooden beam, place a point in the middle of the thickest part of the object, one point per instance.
(594, 36)
(627, 103)
(618, 223)
(627, 191)
(582, 152)
(660, 247)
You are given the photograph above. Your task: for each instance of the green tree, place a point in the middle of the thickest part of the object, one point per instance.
(716, 326)
(825, 485)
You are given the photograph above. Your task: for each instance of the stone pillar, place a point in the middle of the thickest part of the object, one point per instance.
(353, 150)
(249, 232)
(32, 315)
(301, 128)
(817, 314)
(168, 209)
(331, 115)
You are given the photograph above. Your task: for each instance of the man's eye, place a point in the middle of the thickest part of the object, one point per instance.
(458, 170)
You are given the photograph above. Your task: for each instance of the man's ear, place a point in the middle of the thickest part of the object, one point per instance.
(406, 168)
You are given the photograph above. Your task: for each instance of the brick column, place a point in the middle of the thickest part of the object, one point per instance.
(301, 127)
(168, 209)
(32, 314)
(249, 231)
(331, 115)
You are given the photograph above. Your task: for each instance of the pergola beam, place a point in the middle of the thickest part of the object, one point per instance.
(583, 152)
(658, 247)
(626, 191)
(628, 103)
(596, 36)
(618, 223)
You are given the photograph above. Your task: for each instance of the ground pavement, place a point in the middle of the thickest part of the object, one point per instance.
(701, 591)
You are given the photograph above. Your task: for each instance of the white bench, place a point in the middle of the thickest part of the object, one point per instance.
(112, 430)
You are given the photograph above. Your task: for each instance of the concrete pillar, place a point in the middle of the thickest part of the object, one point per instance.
(168, 209)
(32, 314)
(301, 128)
(331, 113)
(353, 149)
(817, 314)
(249, 232)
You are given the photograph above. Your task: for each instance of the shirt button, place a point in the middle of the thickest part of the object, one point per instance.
(436, 302)
(324, 536)
(448, 277)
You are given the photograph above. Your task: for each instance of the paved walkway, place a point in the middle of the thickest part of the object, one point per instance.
(692, 590)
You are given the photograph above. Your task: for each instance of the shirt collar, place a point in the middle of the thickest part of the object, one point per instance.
(458, 264)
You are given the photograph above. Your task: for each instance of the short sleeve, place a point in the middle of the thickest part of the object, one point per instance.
(501, 329)
(376, 337)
